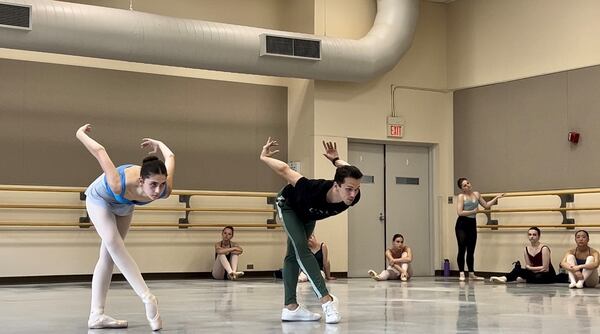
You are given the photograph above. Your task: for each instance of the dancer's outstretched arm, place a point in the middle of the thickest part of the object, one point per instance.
(167, 154)
(332, 155)
(99, 152)
(280, 167)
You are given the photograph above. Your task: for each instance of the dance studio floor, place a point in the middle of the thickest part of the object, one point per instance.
(424, 305)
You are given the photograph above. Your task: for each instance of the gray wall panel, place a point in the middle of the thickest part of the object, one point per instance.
(215, 128)
(513, 136)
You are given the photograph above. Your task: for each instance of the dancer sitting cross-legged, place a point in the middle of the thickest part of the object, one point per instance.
(399, 257)
(581, 263)
(227, 254)
(321, 253)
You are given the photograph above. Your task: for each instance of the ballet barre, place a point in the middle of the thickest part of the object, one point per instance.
(567, 199)
(182, 223)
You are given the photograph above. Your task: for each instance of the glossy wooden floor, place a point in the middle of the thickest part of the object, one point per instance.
(424, 305)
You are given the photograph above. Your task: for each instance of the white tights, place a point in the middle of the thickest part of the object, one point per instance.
(590, 276)
(393, 273)
(112, 230)
(222, 266)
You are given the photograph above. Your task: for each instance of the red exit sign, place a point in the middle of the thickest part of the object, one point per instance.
(395, 130)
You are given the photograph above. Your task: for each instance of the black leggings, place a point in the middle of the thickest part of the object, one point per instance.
(466, 237)
(531, 277)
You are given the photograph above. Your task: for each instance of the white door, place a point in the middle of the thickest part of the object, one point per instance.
(366, 233)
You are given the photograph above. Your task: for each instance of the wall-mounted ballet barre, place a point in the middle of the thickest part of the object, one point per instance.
(565, 196)
(184, 197)
(513, 226)
(544, 192)
(195, 225)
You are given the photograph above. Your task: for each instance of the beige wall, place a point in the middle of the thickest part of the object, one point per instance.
(348, 111)
(75, 252)
(462, 44)
(498, 40)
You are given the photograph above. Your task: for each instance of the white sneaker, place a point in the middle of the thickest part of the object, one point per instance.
(330, 309)
(299, 314)
(104, 321)
(498, 279)
(579, 284)
(461, 276)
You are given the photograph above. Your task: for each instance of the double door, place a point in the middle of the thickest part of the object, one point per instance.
(395, 198)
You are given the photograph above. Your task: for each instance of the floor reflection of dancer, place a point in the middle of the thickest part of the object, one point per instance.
(300, 204)
(110, 201)
(467, 320)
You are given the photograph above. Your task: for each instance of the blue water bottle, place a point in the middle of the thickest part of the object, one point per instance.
(446, 268)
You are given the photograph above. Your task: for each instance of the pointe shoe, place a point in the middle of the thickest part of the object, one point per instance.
(475, 278)
(239, 274)
(373, 275)
(232, 276)
(403, 277)
(572, 285)
(579, 284)
(156, 322)
(104, 321)
(498, 279)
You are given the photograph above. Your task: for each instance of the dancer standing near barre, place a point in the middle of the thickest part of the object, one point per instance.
(300, 204)
(467, 206)
(110, 201)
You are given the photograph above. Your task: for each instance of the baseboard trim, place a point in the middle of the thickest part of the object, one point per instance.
(455, 273)
(87, 278)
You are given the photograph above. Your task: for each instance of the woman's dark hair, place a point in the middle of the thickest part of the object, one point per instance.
(535, 229)
(228, 227)
(397, 235)
(460, 181)
(152, 165)
(584, 231)
(342, 172)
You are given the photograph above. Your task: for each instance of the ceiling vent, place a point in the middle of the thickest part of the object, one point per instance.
(281, 46)
(15, 16)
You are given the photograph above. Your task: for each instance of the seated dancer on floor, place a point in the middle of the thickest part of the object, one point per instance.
(538, 263)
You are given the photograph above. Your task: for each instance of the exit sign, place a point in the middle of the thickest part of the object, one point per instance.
(395, 130)
(395, 127)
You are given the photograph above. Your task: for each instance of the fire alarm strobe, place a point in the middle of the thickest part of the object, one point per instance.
(573, 137)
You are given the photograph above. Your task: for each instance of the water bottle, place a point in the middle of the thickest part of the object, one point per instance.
(446, 267)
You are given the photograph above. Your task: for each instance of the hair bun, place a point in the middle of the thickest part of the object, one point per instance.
(150, 158)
